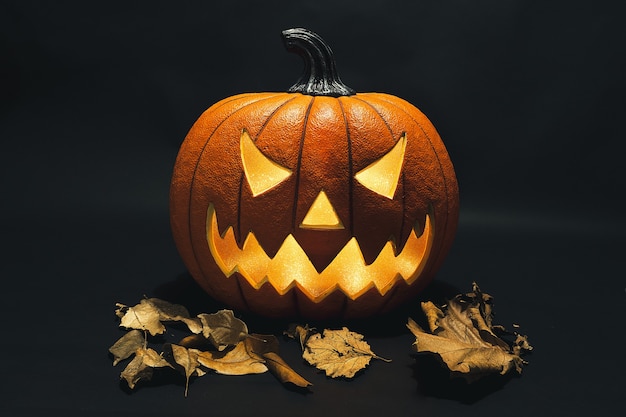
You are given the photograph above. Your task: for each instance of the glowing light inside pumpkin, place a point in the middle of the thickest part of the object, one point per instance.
(322, 215)
(382, 176)
(291, 266)
(261, 172)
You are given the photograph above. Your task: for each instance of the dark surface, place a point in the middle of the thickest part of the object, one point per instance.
(95, 100)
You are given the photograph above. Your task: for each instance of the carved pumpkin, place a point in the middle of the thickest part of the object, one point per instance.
(318, 201)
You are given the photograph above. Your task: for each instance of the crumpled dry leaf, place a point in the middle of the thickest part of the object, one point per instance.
(196, 341)
(266, 348)
(234, 361)
(176, 312)
(127, 345)
(238, 352)
(142, 365)
(142, 316)
(223, 329)
(188, 360)
(340, 353)
(149, 314)
(463, 336)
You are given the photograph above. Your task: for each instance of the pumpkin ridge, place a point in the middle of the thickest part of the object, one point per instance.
(230, 101)
(394, 140)
(241, 179)
(400, 237)
(216, 107)
(267, 120)
(362, 100)
(421, 127)
(242, 96)
(389, 296)
(242, 295)
(350, 168)
(299, 163)
(385, 98)
(197, 164)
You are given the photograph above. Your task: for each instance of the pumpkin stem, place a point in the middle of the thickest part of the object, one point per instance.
(320, 76)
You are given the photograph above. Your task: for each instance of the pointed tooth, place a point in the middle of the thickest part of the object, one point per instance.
(291, 265)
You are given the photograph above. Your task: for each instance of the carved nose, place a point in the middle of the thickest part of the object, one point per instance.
(321, 215)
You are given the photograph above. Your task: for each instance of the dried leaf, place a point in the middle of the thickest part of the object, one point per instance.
(340, 353)
(195, 353)
(142, 365)
(196, 341)
(223, 329)
(176, 312)
(188, 360)
(149, 314)
(266, 348)
(464, 337)
(143, 316)
(234, 361)
(127, 345)
(300, 333)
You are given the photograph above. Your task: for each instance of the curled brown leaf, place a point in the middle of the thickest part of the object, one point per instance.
(187, 359)
(463, 336)
(266, 348)
(300, 333)
(150, 314)
(127, 345)
(234, 361)
(219, 342)
(142, 366)
(223, 329)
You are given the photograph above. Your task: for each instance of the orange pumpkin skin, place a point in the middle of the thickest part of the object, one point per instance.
(322, 142)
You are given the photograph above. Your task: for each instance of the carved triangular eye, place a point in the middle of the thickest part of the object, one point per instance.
(382, 175)
(322, 215)
(262, 173)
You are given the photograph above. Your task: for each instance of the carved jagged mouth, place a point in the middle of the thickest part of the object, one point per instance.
(291, 266)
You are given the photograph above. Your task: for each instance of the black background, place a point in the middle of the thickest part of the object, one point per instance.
(96, 98)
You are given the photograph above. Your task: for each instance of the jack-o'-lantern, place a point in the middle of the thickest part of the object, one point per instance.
(318, 202)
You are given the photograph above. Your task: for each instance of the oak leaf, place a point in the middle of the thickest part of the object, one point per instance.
(463, 336)
(340, 353)
(142, 365)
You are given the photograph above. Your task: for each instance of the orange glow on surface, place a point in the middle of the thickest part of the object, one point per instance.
(382, 176)
(262, 173)
(322, 215)
(291, 266)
